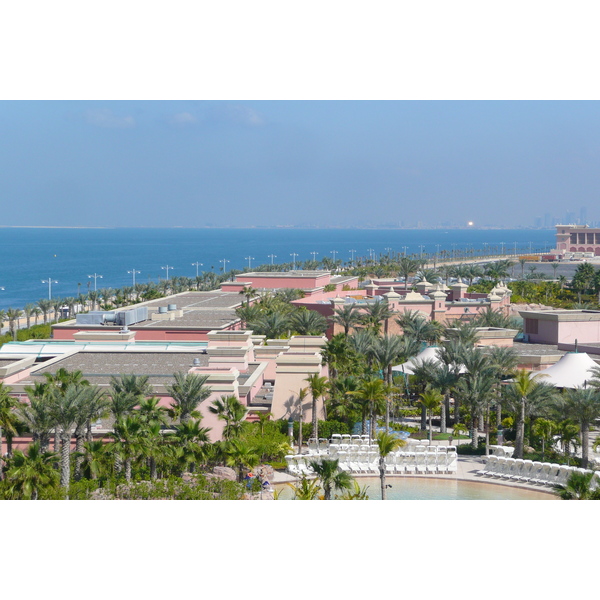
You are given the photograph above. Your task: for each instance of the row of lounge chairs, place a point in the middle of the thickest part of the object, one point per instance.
(432, 459)
(322, 445)
(527, 471)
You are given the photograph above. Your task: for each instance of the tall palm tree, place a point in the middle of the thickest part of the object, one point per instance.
(66, 408)
(387, 443)
(331, 476)
(9, 419)
(129, 435)
(406, 267)
(241, 455)
(36, 414)
(583, 406)
(188, 391)
(375, 314)
(431, 399)
(318, 388)
(13, 316)
(475, 391)
(372, 394)
(444, 378)
(192, 439)
(524, 387)
(45, 305)
(28, 312)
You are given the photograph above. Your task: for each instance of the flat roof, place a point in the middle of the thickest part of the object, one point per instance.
(278, 274)
(99, 367)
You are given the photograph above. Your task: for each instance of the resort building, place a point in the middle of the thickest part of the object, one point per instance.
(577, 240)
(568, 330)
(188, 316)
(265, 378)
(314, 284)
(434, 302)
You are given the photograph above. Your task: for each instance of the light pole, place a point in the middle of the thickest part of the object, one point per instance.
(485, 248)
(388, 250)
(272, 256)
(197, 264)
(293, 255)
(133, 273)
(249, 259)
(167, 270)
(502, 246)
(453, 251)
(49, 281)
(314, 255)
(405, 248)
(334, 252)
(530, 244)
(437, 251)
(352, 256)
(421, 256)
(370, 251)
(515, 248)
(95, 276)
(224, 261)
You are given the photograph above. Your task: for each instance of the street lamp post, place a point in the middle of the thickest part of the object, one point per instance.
(314, 255)
(293, 255)
(388, 250)
(133, 273)
(334, 252)
(370, 251)
(224, 261)
(405, 248)
(352, 256)
(50, 281)
(249, 259)
(502, 245)
(272, 256)
(95, 276)
(197, 264)
(167, 270)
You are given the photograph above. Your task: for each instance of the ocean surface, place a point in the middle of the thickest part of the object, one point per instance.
(30, 257)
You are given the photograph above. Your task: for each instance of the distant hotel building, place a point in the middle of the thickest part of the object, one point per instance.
(577, 239)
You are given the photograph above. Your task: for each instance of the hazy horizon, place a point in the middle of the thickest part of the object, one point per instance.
(373, 164)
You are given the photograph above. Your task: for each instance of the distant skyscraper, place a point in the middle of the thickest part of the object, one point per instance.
(583, 215)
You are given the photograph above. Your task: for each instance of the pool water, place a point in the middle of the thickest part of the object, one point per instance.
(416, 488)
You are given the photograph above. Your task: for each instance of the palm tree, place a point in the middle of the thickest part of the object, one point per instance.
(318, 389)
(187, 393)
(431, 399)
(9, 420)
(249, 292)
(66, 408)
(36, 414)
(524, 387)
(544, 429)
(306, 489)
(348, 316)
(583, 406)
(372, 393)
(375, 314)
(578, 487)
(129, 437)
(242, 455)
(45, 305)
(13, 316)
(444, 378)
(273, 325)
(232, 411)
(28, 312)
(192, 440)
(331, 476)
(475, 391)
(406, 267)
(28, 473)
(308, 322)
(387, 443)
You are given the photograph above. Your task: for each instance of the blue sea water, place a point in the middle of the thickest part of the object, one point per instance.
(29, 256)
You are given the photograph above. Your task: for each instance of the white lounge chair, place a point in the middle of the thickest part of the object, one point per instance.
(515, 470)
(400, 462)
(490, 463)
(410, 464)
(563, 474)
(451, 462)
(431, 462)
(525, 471)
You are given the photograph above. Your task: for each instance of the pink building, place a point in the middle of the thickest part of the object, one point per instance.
(577, 239)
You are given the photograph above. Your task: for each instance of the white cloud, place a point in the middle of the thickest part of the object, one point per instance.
(104, 117)
(184, 118)
(243, 115)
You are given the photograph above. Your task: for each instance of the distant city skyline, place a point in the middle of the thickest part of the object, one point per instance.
(299, 163)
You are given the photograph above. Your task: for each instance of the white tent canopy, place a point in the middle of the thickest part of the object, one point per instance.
(429, 354)
(571, 371)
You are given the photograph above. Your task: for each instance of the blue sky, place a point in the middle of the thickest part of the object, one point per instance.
(348, 163)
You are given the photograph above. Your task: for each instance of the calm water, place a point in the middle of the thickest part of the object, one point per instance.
(414, 488)
(69, 256)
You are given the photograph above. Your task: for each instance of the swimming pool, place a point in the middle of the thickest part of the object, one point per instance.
(417, 488)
